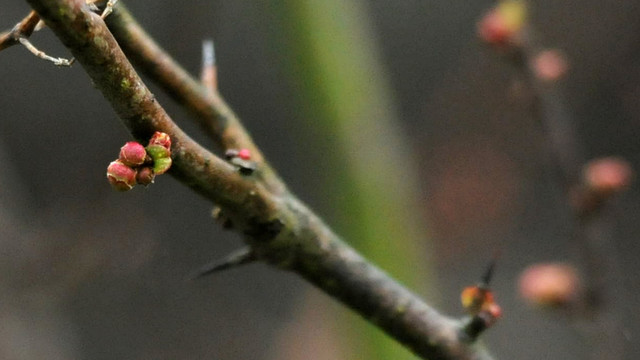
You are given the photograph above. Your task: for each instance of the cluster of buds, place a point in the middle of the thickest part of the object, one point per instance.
(549, 285)
(502, 26)
(137, 164)
(242, 160)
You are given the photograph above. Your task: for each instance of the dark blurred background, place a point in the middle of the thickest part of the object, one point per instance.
(88, 273)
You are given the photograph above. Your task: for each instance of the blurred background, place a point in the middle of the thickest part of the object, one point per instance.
(389, 118)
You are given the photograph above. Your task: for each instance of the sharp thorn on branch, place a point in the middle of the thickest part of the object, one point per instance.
(235, 259)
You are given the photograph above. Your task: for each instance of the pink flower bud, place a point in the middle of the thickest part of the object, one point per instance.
(145, 176)
(132, 154)
(549, 284)
(607, 176)
(550, 65)
(120, 176)
(162, 139)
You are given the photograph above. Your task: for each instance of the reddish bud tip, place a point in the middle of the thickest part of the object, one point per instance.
(493, 29)
(244, 154)
(549, 284)
(607, 176)
(501, 26)
(120, 176)
(494, 310)
(132, 154)
(550, 65)
(145, 176)
(162, 139)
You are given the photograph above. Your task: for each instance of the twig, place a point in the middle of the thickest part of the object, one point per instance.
(20, 35)
(22, 29)
(279, 230)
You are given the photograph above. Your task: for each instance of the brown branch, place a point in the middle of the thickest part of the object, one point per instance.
(209, 108)
(22, 29)
(279, 230)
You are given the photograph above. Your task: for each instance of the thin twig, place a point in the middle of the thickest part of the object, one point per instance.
(592, 231)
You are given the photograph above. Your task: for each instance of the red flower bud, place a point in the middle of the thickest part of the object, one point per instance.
(162, 139)
(244, 154)
(493, 30)
(549, 284)
(145, 176)
(132, 154)
(120, 176)
(501, 26)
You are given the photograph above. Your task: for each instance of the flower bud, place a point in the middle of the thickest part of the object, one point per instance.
(161, 158)
(549, 65)
(145, 176)
(606, 176)
(162, 139)
(501, 25)
(549, 284)
(120, 176)
(160, 166)
(132, 154)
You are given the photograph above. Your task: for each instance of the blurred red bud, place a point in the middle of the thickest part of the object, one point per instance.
(552, 284)
(549, 65)
(501, 25)
(121, 176)
(606, 176)
(132, 154)
(145, 176)
(162, 139)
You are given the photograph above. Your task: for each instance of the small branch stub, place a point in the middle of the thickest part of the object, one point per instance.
(242, 160)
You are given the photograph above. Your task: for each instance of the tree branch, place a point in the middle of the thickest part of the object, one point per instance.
(279, 229)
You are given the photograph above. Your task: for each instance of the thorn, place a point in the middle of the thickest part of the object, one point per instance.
(209, 74)
(237, 258)
(488, 274)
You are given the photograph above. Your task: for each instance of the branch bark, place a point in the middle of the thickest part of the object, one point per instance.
(279, 229)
